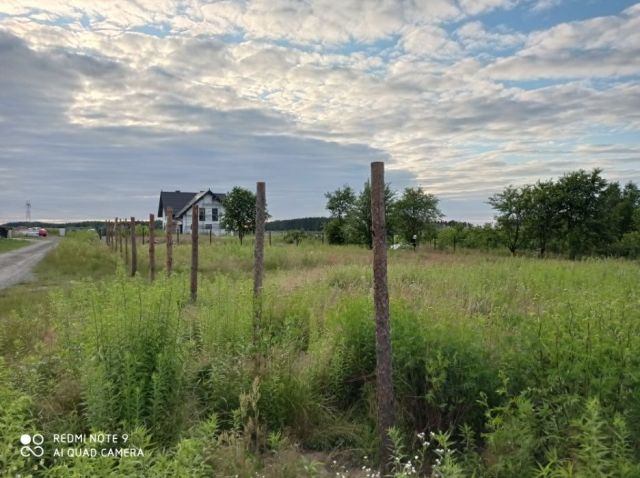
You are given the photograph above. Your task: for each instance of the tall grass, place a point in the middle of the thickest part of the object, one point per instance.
(519, 367)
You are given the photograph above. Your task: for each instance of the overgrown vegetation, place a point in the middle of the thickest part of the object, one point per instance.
(504, 367)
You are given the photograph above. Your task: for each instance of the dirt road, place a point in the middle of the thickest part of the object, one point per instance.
(17, 266)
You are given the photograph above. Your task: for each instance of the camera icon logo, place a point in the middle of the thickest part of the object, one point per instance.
(36, 440)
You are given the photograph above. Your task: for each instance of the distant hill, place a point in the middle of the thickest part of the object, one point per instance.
(302, 224)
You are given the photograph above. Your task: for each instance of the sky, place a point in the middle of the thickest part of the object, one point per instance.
(104, 104)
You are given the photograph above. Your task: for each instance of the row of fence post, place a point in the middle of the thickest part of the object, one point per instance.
(384, 372)
(119, 233)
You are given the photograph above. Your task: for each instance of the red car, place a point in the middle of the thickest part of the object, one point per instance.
(42, 232)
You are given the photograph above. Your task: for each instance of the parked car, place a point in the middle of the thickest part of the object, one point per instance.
(42, 232)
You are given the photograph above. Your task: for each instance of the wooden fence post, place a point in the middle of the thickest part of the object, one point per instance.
(125, 232)
(269, 238)
(194, 252)
(116, 231)
(384, 371)
(152, 247)
(143, 235)
(210, 233)
(258, 268)
(134, 252)
(169, 233)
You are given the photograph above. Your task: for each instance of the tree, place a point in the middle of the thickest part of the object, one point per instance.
(453, 236)
(239, 212)
(511, 206)
(339, 203)
(582, 211)
(359, 225)
(414, 212)
(541, 204)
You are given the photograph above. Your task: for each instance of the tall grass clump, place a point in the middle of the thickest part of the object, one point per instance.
(133, 354)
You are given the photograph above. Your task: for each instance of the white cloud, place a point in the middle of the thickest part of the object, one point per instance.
(291, 83)
(475, 37)
(599, 47)
(542, 5)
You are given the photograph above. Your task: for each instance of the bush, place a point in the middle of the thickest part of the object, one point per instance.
(335, 232)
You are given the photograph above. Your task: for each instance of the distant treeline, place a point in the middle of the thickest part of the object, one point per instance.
(80, 224)
(310, 224)
(580, 214)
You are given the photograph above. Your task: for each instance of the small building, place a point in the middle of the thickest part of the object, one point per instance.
(209, 215)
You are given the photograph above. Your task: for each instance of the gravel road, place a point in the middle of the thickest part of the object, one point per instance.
(17, 266)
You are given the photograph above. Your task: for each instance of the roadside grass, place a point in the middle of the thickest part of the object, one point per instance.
(7, 245)
(519, 367)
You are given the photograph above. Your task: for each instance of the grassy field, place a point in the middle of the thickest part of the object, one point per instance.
(503, 367)
(7, 245)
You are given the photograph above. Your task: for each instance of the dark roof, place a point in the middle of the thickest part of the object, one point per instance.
(220, 197)
(173, 199)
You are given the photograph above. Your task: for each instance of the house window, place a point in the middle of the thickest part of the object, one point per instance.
(214, 214)
(202, 214)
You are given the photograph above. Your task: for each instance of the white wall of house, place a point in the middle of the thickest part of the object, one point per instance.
(211, 210)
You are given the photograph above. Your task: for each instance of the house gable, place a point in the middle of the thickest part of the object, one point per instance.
(199, 197)
(173, 199)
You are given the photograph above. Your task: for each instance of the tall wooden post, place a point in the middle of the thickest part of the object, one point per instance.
(258, 267)
(143, 235)
(152, 247)
(178, 233)
(169, 233)
(210, 234)
(384, 371)
(269, 238)
(121, 236)
(125, 232)
(116, 231)
(134, 252)
(194, 252)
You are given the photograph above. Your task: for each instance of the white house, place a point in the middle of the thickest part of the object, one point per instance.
(209, 206)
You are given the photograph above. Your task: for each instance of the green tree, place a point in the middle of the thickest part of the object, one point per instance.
(239, 212)
(541, 208)
(415, 212)
(339, 203)
(359, 223)
(511, 207)
(452, 236)
(583, 213)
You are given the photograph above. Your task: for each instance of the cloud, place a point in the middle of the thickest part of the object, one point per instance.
(475, 37)
(542, 5)
(599, 47)
(121, 100)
